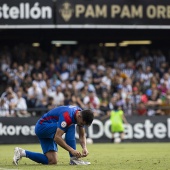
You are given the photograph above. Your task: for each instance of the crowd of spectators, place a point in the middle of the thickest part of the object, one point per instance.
(34, 80)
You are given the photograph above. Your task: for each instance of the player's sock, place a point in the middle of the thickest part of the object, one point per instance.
(71, 143)
(37, 157)
(112, 140)
(23, 153)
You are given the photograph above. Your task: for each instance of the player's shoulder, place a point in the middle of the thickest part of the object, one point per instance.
(121, 111)
(72, 107)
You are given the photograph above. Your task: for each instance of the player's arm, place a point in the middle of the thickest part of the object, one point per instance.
(82, 139)
(60, 141)
(124, 119)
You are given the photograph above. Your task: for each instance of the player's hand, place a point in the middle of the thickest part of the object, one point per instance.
(76, 153)
(85, 152)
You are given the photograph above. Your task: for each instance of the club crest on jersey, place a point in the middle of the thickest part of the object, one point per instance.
(63, 124)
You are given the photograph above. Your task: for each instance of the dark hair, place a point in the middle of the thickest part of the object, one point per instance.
(116, 107)
(87, 116)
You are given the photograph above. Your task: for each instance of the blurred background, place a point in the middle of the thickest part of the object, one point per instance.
(92, 53)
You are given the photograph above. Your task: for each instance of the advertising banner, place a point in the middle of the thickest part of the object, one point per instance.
(29, 13)
(17, 130)
(113, 14)
(139, 129)
(85, 14)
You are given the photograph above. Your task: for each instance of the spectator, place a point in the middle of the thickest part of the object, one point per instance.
(153, 103)
(163, 103)
(33, 93)
(42, 99)
(8, 89)
(106, 81)
(39, 80)
(97, 78)
(64, 72)
(50, 87)
(27, 68)
(74, 101)
(27, 82)
(63, 57)
(11, 101)
(4, 108)
(81, 65)
(20, 74)
(51, 71)
(71, 66)
(135, 98)
(141, 109)
(91, 101)
(66, 85)
(50, 103)
(112, 103)
(165, 80)
(83, 93)
(104, 102)
(58, 96)
(90, 71)
(145, 78)
(118, 99)
(162, 69)
(36, 69)
(67, 97)
(78, 83)
(158, 59)
(21, 106)
(127, 106)
(128, 70)
(10, 72)
(89, 85)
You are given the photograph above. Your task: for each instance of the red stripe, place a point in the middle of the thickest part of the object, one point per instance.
(48, 118)
(67, 118)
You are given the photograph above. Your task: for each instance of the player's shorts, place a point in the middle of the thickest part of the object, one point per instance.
(45, 133)
(117, 128)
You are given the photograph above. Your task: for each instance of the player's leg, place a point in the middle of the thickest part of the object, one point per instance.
(121, 131)
(37, 157)
(52, 157)
(122, 136)
(71, 141)
(49, 147)
(49, 157)
(70, 137)
(113, 127)
(112, 138)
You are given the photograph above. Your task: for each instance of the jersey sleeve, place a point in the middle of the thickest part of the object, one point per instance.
(64, 121)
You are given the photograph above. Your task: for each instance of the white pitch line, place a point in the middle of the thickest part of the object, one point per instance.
(7, 169)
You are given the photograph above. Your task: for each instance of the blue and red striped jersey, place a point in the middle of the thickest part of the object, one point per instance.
(63, 115)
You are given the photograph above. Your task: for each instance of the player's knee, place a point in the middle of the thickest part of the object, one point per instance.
(52, 162)
(52, 157)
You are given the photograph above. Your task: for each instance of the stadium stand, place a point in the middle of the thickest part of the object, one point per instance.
(89, 76)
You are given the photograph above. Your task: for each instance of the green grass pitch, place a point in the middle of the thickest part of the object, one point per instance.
(125, 156)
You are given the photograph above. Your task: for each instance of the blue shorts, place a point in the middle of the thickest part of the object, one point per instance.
(46, 132)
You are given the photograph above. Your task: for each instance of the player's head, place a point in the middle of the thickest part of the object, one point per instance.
(85, 117)
(116, 107)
